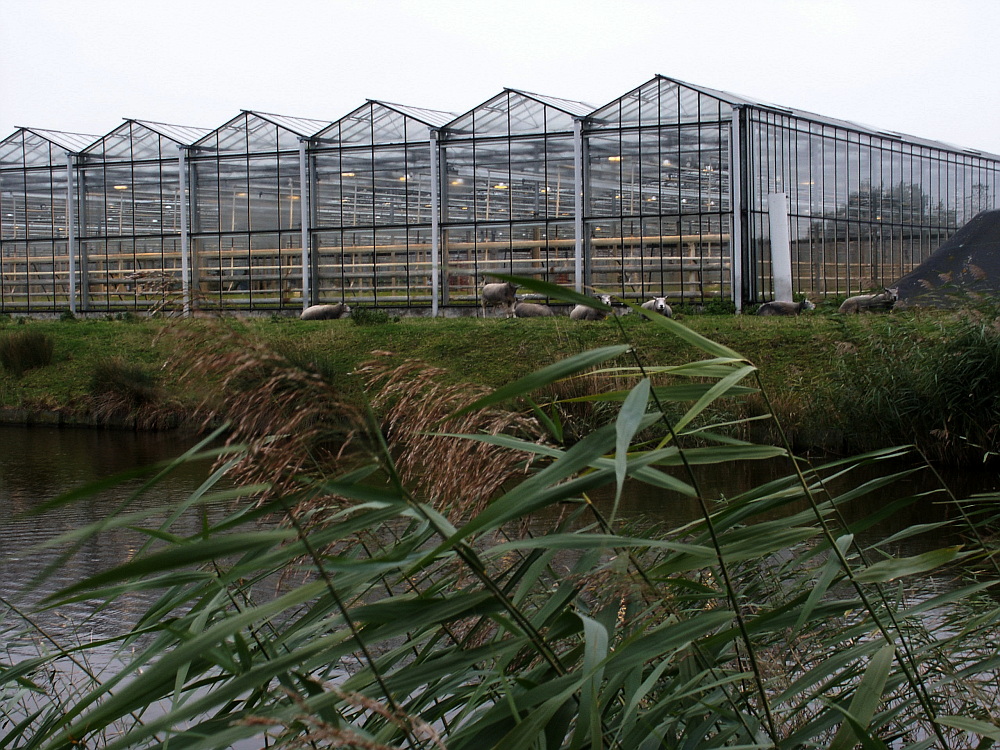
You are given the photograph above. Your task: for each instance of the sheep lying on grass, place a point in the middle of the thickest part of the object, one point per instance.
(583, 312)
(881, 302)
(326, 312)
(658, 304)
(785, 308)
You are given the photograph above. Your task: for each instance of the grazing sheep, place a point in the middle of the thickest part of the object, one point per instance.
(531, 310)
(583, 312)
(326, 312)
(658, 304)
(499, 295)
(785, 308)
(880, 302)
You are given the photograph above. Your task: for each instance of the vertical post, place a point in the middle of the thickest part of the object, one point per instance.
(305, 199)
(737, 202)
(70, 233)
(781, 246)
(435, 223)
(182, 199)
(578, 207)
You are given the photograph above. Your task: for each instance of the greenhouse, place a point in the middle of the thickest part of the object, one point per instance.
(671, 190)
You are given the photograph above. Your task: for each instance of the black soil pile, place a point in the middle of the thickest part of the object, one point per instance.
(965, 267)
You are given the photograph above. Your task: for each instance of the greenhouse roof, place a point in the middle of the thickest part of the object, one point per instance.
(737, 100)
(432, 117)
(384, 122)
(182, 134)
(140, 139)
(515, 112)
(74, 142)
(32, 147)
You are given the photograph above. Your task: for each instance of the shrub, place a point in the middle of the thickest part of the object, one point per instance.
(936, 389)
(370, 316)
(25, 350)
(125, 391)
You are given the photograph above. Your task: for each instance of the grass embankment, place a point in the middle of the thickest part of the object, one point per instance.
(811, 366)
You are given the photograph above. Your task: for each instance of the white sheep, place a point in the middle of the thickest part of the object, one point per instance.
(326, 312)
(532, 310)
(658, 304)
(501, 294)
(584, 312)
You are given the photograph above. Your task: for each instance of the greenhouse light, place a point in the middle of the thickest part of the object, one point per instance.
(121, 187)
(614, 158)
(500, 186)
(347, 174)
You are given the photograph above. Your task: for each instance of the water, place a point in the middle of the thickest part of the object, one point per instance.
(37, 464)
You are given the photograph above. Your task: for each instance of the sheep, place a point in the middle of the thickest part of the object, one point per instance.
(531, 310)
(584, 312)
(785, 308)
(499, 295)
(326, 312)
(658, 304)
(881, 302)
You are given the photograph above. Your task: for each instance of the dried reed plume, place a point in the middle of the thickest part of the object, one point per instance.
(458, 475)
(294, 424)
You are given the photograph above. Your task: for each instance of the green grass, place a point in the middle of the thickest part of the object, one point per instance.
(805, 362)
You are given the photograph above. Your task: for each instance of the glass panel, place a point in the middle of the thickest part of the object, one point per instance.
(390, 183)
(357, 187)
(605, 176)
(528, 182)
(205, 189)
(492, 180)
(356, 129)
(458, 166)
(388, 126)
(327, 190)
(330, 272)
(418, 184)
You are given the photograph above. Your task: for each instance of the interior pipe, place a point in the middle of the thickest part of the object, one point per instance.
(435, 224)
(578, 209)
(185, 231)
(305, 199)
(70, 233)
(736, 201)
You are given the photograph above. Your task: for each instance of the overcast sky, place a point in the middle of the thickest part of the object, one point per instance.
(922, 67)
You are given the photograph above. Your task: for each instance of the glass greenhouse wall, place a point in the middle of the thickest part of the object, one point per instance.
(665, 191)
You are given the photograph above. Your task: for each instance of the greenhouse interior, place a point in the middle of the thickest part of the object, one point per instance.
(672, 190)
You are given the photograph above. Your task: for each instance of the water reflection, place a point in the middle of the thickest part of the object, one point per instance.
(38, 464)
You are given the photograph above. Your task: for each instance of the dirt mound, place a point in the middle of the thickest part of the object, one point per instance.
(966, 266)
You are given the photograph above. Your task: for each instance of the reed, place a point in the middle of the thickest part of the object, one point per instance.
(936, 390)
(466, 591)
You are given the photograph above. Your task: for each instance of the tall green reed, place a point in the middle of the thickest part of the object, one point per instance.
(538, 619)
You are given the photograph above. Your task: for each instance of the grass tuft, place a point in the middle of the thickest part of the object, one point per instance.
(25, 350)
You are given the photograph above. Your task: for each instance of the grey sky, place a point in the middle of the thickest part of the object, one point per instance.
(915, 66)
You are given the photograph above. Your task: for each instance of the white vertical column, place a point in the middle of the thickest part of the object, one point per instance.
(305, 201)
(578, 208)
(70, 232)
(182, 198)
(781, 246)
(435, 223)
(736, 203)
